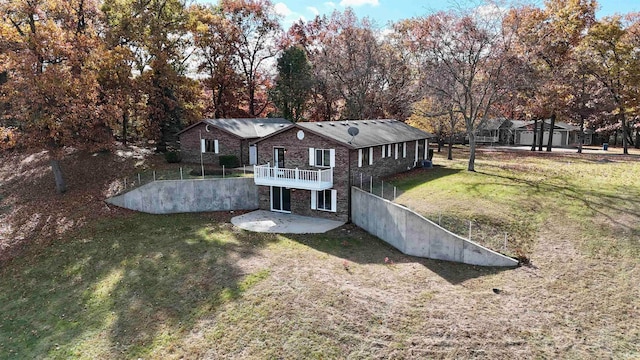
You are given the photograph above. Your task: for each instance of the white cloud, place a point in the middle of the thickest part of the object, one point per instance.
(356, 3)
(330, 4)
(313, 10)
(289, 16)
(282, 9)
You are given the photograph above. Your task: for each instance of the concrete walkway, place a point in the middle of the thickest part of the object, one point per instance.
(274, 222)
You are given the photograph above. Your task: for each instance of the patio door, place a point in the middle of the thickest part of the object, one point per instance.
(278, 157)
(253, 155)
(280, 199)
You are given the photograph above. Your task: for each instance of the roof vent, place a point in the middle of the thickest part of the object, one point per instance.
(281, 125)
(364, 122)
(261, 124)
(332, 124)
(319, 125)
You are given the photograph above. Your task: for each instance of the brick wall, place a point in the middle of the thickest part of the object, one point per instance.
(346, 168)
(227, 145)
(297, 156)
(382, 167)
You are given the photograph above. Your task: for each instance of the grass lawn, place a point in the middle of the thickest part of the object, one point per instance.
(193, 286)
(522, 195)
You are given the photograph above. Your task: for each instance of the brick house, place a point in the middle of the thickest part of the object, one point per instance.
(226, 137)
(307, 168)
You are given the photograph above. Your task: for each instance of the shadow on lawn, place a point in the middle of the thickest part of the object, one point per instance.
(356, 245)
(123, 287)
(416, 177)
(594, 200)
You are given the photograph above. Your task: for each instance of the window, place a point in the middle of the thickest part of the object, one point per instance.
(325, 200)
(209, 146)
(404, 149)
(387, 150)
(366, 159)
(365, 156)
(322, 157)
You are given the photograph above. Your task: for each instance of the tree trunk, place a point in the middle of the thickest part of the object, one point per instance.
(629, 134)
(581, 134)
(61, 186)
(125, 122)
(637, 144)
(440, 141)
(552, 126)
(472, 152)
(541, 135)
(450, 150)
(625, 145)
(615, 137)
(535, 134)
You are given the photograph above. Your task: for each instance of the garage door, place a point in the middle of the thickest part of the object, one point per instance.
(557, 138)
(526, 137)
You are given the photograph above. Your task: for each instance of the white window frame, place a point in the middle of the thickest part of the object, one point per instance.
(334, 200)
(332, 157)
(387, 150)
(210, 144)
(361, 156)
(396, 153)
(404, 150)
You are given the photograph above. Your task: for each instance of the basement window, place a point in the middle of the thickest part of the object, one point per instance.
(325, 200)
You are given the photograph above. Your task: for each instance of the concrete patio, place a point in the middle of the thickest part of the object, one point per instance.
(281, 223)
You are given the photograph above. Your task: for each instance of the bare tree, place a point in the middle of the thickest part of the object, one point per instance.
(465, 57)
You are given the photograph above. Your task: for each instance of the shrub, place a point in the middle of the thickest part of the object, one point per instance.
(173, 157)
(229, 161)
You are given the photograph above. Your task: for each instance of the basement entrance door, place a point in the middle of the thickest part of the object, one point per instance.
(280, 199)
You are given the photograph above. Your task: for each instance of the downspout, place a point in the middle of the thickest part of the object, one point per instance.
(349, 186)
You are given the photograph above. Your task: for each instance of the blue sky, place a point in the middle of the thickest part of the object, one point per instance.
(383, 11)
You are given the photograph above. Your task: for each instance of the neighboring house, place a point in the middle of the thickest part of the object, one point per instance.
(226, 137)
(564, 135)
(519, 132)
(307, 168)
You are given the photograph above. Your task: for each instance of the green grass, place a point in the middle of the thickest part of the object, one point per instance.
(121, 288)
(519, 196)
(193, 286)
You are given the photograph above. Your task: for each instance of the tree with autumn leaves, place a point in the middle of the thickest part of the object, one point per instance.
(85, 73)
(53, 54)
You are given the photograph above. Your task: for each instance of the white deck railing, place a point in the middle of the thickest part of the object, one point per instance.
(320, 179)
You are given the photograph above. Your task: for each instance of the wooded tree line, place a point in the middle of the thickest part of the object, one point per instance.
(85, 73)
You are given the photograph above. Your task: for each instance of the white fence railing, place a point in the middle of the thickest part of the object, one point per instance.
(296, 178)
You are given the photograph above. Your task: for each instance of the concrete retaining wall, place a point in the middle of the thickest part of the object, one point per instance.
(415, 235)
(178, 196)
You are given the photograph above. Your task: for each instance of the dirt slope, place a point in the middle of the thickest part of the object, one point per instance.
(32, 213)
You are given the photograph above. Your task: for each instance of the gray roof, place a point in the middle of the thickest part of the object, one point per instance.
(248, 128)
(493, 124)
(559, 124)
(371, 132)
(519, 123)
